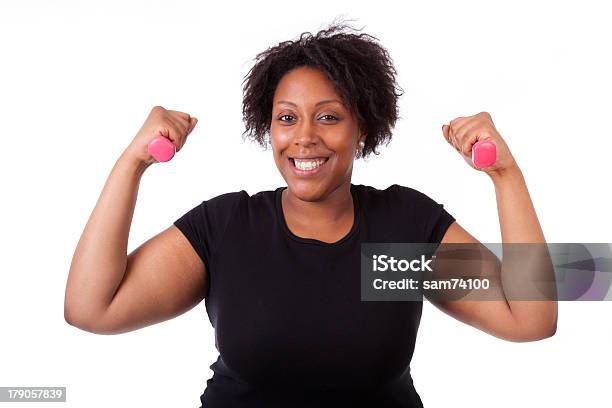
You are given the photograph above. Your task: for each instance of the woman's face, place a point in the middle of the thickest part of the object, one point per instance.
(314, 136)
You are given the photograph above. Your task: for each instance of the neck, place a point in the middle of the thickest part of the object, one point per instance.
(329, 210)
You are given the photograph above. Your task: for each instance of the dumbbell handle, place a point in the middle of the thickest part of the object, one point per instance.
(162, 149)
(484, 154)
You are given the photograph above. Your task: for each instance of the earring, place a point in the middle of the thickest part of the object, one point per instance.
(360, 149)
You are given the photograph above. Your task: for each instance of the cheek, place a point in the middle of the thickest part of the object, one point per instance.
(279, 138)
(279, 143)
(344, 148)
(342, 139)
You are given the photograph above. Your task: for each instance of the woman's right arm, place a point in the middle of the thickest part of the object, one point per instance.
(109, 291)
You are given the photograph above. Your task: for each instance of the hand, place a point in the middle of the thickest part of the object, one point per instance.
(463, 132)
(173, 125)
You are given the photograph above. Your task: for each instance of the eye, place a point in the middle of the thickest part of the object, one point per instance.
(330, 116)
(283, 116)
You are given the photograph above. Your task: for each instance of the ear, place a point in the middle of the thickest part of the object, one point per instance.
(362, 134)
(362, 138)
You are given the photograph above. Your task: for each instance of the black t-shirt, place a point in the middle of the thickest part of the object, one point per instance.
(290, 326)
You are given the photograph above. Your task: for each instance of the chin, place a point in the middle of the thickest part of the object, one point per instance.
(310, 190)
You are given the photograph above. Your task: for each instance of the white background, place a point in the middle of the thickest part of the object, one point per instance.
(77, 80)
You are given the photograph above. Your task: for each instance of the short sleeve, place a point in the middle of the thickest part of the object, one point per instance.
(205, 224)
(438, 224)
(430, 216)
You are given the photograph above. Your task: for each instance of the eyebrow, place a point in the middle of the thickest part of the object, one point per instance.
(317, 104)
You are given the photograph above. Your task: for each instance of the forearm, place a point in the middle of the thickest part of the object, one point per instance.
(519, 224)
(100, 258)
(517, 217)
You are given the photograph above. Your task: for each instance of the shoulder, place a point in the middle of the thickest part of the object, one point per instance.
(393, 196)
(240, 196)
(234, 202)
(216, 213)
(406, 214)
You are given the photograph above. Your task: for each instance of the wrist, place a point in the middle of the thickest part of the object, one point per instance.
(133, 162)
(508, 173)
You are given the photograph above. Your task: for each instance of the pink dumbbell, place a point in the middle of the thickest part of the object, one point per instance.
(162, 149)
(484, 154)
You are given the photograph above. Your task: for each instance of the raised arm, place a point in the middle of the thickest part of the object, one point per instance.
(109, 291)
(514, 320)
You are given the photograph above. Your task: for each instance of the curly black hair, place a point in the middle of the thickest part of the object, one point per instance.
(360, 69)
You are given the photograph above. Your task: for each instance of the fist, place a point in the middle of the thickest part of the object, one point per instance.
(174, 125)
(463, 132)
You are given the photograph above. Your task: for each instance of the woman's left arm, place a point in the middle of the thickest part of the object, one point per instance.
(513, 320)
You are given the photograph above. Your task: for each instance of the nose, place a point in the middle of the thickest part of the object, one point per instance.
(306, 135)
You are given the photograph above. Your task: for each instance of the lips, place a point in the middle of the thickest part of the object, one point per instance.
(308, 164)
(304, 166)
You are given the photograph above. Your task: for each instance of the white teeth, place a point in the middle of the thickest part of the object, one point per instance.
(308, 164)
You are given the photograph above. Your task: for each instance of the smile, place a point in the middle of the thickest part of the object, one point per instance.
(309, 166)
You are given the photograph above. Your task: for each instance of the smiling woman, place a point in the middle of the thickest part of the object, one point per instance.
(284, 264)
(280, 269)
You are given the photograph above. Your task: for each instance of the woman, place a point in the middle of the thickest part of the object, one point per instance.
(279, 270)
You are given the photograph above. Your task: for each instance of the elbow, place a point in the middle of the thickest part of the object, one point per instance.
(544, 335)
(83, 321)
(69, 312)
(537, 329)
(534, 334)
(73, 318)
(550, 332)
(546, 331)
(541, 335)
